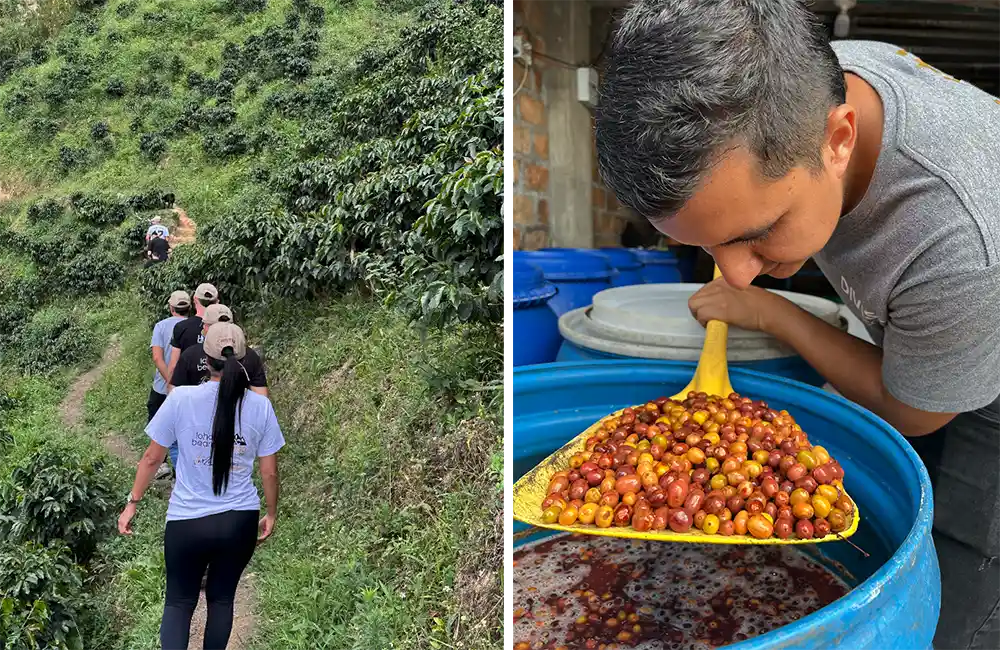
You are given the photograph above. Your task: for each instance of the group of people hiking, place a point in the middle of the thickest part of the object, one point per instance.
(157, 242)
(209, 410)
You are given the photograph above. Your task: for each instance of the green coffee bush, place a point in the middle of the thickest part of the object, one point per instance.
(52, 339)
(40, 597)
(45, 210)
(56, 497)
(152, 146)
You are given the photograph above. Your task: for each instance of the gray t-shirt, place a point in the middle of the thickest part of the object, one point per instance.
(918, 259)
(162, 332)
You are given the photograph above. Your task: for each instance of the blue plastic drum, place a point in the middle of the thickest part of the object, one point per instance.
(577, 274)
(658, 265)
(536, 326)
(896, 595)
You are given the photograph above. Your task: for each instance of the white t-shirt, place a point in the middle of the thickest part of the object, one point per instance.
(186, 417)
(157, 229)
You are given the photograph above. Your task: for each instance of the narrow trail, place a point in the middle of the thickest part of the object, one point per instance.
(186, 228)
(71, 413)
(71, 408)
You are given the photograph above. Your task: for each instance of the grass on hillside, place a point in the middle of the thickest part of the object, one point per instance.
(195, 32)
(389, 529)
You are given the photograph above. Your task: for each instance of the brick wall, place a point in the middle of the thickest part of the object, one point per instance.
(531, 200)
(610, 216)
(531, 143)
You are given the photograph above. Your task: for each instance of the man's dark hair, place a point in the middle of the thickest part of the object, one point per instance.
(687, 80)
(183, 311)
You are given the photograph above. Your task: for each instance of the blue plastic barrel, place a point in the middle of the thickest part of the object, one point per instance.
(687, 262)
(896, 595)
(627, 267)
(626, 263)
(658, 265)
(577, 274)
(536, 326)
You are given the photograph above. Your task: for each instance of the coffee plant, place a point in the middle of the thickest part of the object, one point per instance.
(51, 339)
(152, 146)
(55, 497)
(100, 131)
(115, 87)
(70, 157)
(40, 597)
(455, 272)
(99, 210)
(400, 185)
(45, 210)
(97, 271)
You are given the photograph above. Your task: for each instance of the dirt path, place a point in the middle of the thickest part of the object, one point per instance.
(71, 409)
(243, 618)
(185, 231)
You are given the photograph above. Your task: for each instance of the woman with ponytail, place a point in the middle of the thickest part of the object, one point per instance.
(220, 427)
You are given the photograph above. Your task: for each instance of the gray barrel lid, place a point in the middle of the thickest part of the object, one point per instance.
(652, 321)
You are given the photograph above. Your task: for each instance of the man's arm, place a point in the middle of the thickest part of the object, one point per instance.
(851, 365)
(160, 362)
(175, 354)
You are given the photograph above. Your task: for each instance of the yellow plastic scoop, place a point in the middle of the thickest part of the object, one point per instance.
(712, 374)
(712, 377)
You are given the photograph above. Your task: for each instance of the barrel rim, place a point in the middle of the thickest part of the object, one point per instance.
(572, 323)
(655, 256)
(541, 258)
(535, 295)
(871, 588)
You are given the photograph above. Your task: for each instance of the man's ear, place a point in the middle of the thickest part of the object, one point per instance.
(840, 139)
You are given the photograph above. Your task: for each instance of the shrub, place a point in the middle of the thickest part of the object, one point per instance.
(226, 144)
(153, 146)
(14, 313)
(455, 272)
(41, 598)
(16, 102)
(8, 404)
(133, 237)
(42, 127)
(150, 200)
(126, 9)
(52, 339)
(70, 157)
(68, 82)
(397, 188)
(100, 131)
(55, 497)
(45, 210)
(244, 6)
(92, 272)
(115, 87)
(99, 210)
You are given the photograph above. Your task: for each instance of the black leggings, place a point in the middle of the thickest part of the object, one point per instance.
(222, 543)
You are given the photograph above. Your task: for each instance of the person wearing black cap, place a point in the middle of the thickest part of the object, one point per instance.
(193, 367)
(212, 519)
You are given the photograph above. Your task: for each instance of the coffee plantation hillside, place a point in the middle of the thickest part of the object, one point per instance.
(341, 161)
